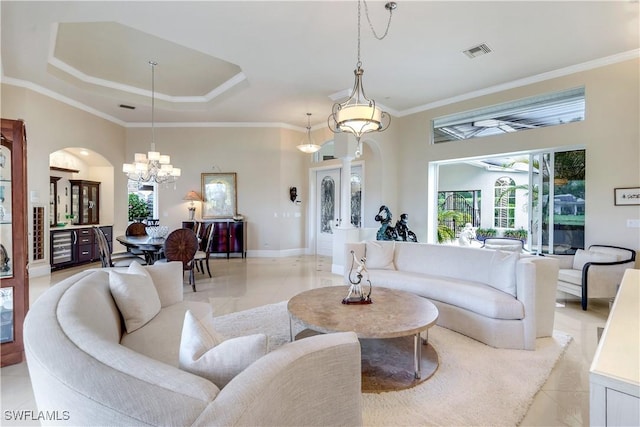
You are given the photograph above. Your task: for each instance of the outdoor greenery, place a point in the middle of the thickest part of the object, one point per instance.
(446, 233)
(483, 233)
(137, 207)
(520, 233)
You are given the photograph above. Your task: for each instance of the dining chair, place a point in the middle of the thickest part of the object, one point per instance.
(182, 245)
(136, 229)
(202, 256)
(109, 259)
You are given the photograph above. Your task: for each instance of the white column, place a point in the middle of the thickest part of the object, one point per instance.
(345, 148)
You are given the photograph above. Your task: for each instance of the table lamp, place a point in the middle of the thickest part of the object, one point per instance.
(192, 196)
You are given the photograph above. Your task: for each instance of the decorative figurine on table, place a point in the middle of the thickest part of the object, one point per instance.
(467, 235)
(355, 295)
(386, 231)
(404, 234)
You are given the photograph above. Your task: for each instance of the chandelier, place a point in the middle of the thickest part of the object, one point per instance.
(358, 114)
(153, 166)
(308, 145)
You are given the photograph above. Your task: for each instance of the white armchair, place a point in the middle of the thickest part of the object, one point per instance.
(594, 273)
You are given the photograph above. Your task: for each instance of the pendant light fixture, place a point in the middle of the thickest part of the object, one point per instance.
(358, 114)
(308, 145)
(153, 166)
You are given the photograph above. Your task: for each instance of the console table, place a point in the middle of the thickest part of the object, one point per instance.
(614, 376)
(229, 236)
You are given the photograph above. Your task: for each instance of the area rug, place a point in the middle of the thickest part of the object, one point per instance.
(475, 385)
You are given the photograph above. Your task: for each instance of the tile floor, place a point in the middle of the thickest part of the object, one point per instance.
(240, 284)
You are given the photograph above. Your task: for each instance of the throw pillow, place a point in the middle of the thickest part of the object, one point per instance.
(380, 256)
(135, 296)
(582, 257)
(167, 278)
(502, 273)
(204, 352)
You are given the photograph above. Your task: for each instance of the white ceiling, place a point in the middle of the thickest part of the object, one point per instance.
(274, 61)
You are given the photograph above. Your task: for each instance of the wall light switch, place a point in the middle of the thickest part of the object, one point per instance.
(633, 223)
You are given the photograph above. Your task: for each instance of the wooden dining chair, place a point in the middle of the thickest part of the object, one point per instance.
(110, 259)
(202, 256)
(136, 229)
(182, 245)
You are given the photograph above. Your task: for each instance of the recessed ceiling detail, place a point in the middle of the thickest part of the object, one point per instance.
(112, 55)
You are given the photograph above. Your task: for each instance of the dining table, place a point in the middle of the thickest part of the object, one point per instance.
(150, 246)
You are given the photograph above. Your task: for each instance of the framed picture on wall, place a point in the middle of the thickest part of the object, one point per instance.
(626, 196)
(219, 195)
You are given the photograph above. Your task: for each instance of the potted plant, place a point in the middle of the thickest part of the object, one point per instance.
(520, 234)
(484, 233)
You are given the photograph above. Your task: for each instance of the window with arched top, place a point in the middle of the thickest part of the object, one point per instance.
(504, 203)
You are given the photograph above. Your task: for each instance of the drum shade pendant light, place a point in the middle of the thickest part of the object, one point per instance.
(153, 166)
(358, 114)
(308, 145)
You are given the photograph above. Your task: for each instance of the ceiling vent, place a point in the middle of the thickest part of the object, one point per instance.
(481, 49)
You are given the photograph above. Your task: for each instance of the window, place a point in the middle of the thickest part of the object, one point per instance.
(504, 203)
(147, 194)
(529, 113)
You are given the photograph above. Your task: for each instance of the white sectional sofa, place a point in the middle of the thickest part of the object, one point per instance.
(504, 299)
(87, 370)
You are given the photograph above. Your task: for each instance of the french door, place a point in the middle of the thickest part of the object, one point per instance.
(328, 201)
(328, 186)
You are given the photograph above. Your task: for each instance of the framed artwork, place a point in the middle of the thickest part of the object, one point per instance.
(626, 196)
(219, 195)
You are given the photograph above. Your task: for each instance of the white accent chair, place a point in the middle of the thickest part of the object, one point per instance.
(594, 273)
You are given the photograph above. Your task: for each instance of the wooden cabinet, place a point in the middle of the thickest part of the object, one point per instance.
(229, 237)
(85, 201)
(14, 291)
(53, 200)
(76, 246)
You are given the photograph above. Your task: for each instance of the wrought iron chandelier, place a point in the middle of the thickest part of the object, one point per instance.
(308, 145)
(153, 166)
(358, 114)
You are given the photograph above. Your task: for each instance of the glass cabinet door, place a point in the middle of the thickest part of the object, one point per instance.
(14, 279)
(6, 230)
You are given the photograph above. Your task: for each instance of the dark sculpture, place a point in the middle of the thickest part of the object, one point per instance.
(403, 231)
(386, 231)
(400, 232)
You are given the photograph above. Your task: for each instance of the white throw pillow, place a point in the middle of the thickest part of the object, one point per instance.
(135, 296)
(502, 273)
(205, 353)
(582, 257)
(168, 279)
(380, 256)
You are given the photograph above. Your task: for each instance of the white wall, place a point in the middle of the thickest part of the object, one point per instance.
(610, 134)
(396, 161)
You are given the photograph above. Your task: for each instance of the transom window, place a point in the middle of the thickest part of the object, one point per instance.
(529, 113)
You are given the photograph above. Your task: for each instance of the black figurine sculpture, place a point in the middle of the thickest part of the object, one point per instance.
(386, 231)
(403, 231)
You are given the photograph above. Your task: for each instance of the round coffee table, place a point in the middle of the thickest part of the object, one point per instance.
(388, 329)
